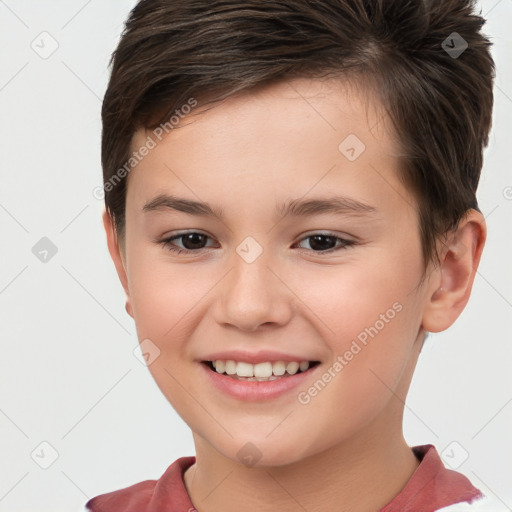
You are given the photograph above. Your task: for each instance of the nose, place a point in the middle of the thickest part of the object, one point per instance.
(252, 295)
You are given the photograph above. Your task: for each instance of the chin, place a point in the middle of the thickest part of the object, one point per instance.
(258, 452)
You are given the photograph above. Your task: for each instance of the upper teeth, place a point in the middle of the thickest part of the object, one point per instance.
(266, 369)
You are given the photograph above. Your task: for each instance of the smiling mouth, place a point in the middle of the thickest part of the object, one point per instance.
(261, 372)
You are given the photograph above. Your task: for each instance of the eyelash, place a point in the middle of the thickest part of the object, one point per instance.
(166, 243)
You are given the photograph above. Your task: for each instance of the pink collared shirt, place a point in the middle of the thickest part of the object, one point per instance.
(431, 488)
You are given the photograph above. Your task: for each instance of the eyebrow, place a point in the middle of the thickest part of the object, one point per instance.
(296, 208)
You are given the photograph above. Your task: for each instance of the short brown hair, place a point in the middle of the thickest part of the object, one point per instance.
(439, 96)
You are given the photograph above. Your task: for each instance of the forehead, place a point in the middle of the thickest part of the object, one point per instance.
(321, 105)
(281, 140)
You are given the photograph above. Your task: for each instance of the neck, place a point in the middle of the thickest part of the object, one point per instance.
(352, 476)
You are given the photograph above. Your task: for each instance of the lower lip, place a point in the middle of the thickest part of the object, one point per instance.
(253, 391)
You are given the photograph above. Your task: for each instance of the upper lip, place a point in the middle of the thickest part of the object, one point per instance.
(261, 356)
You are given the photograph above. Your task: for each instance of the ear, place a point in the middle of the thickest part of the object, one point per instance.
(451, 282)
(117, 257)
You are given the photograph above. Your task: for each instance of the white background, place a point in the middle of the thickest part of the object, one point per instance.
(68, 373)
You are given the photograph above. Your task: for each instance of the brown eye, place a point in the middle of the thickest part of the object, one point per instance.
(326, 243)
(191, 242)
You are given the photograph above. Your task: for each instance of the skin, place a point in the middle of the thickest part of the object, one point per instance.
(244, 157)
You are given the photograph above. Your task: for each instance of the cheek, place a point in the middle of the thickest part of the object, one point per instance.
(358, 299)
(162, 293)
(370, 355)
(369, 322)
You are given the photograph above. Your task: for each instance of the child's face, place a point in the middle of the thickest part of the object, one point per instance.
(245, 157)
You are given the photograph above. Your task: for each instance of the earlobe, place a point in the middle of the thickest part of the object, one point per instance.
(453, 280)
(117, 258)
